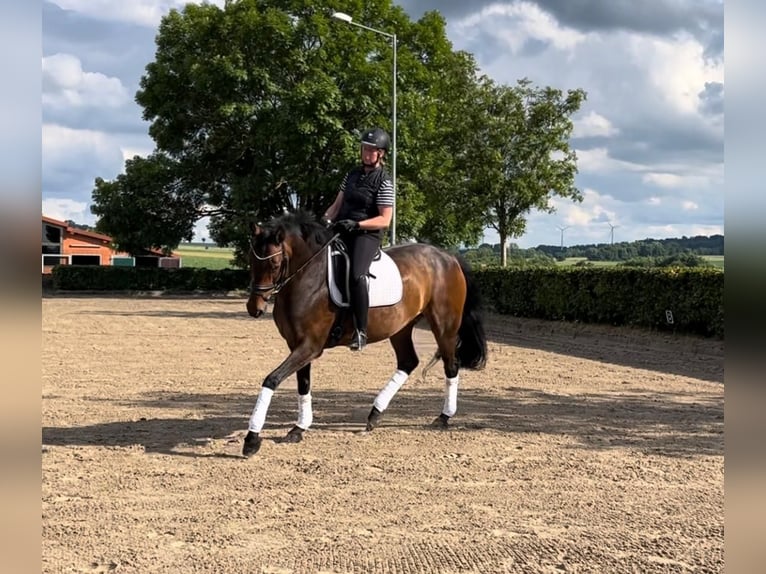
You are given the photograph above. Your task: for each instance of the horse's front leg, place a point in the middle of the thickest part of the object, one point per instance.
(300, 357)
(305, 412)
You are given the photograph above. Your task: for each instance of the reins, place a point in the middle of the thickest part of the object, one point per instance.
(277, 286)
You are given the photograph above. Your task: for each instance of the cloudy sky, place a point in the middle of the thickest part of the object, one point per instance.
(649, 138)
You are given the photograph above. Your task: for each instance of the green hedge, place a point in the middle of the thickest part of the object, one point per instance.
(616, 296)
(612, 295)
(185, 279)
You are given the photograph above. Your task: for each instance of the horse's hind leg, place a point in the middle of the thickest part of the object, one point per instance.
(305, 412)
(445, 330)
(406, 362)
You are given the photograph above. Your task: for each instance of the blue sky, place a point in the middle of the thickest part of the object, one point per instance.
(649, 138)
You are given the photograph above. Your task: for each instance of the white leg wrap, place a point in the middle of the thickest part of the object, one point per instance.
(392, 387)
(305, 414)
(261, 408)
(450, 396)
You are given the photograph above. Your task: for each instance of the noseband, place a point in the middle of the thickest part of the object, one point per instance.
(273, 288)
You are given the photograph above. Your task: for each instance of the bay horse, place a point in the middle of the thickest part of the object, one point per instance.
(288, 262)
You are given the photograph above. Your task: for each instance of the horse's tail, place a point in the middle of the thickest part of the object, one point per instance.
(472, 342)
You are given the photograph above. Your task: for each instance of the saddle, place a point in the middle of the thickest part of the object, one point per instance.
(385, 284)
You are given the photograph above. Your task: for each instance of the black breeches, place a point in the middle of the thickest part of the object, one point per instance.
(362, 249)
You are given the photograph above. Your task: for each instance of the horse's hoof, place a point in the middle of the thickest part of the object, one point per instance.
(252, 444)
(294, 435)
(373, 419)
(440, 422)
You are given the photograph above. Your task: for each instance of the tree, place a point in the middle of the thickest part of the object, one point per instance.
(75, 225)
(149, 206)
(520, 153)
(438, 205)
(648, 248)
(683, 260)
(257, 107)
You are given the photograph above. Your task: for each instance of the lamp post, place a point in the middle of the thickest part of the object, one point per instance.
(346, 18)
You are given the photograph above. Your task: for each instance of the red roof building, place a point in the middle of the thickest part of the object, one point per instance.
(64, 244)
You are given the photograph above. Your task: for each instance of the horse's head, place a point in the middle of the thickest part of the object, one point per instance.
(269, 257)
(289, 238)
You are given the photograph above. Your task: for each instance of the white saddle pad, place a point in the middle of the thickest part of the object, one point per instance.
(385, 281)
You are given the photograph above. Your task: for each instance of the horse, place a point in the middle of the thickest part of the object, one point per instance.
(288, 259)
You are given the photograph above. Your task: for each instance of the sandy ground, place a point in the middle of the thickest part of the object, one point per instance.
(578, 449)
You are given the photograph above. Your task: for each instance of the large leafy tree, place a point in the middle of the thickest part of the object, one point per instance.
(520, 156)
(256, 108)
(148, 206)
(438, 97)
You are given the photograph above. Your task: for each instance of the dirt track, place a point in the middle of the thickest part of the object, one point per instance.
(578, 449)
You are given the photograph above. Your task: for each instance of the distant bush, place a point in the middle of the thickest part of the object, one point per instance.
(683, 260)
(185, 279)
(677, 299)
(681, 299)
(643, 262)
(676, 260)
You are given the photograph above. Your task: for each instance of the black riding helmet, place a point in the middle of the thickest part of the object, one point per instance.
(376, 137)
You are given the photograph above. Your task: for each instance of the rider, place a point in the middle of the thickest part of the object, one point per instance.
(362, 208)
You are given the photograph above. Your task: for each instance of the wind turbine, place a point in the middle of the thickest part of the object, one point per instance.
(562, 233)
(612, 231)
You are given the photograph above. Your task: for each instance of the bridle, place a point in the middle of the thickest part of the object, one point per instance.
(283, 278)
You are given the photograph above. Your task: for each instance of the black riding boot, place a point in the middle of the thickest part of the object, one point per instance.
(360, 303)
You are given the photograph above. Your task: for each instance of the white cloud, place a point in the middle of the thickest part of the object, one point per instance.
(693, 230)
(131, 152)
(689, 206)
(61, 143)
(67, 85)
(594, 125)
(681, 230)
(64, 144)
(654, 201)
(597, 160)
(142, 12)
(676, 68)
(673, 175)
(72, 159)
(667, 180)
(517, 23)
(595, 207)
(64, 209)
(675, 181)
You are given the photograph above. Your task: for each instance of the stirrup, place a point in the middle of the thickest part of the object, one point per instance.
(358, 340)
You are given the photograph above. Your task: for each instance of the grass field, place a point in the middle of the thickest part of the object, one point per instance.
(569, 261)
(209, 256)
(715, 260)
(213, 257)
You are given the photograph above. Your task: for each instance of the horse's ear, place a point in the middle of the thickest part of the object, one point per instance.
(255, 228)
(280, 235)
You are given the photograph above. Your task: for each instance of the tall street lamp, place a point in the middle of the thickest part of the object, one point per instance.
(346, 18)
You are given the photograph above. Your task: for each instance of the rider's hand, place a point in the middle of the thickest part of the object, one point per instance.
(345, 226)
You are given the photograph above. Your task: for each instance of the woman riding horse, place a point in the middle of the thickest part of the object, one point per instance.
(361, 210)
(289, 262)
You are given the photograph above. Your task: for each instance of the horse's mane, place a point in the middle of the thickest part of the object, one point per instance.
(302, 223)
